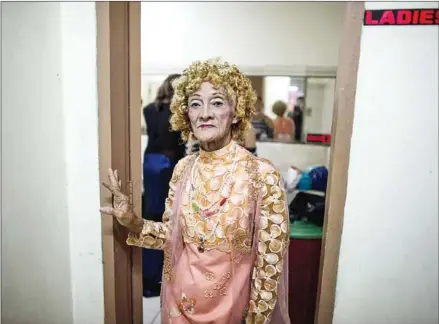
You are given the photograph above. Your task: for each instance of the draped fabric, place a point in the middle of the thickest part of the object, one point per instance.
(241, 273)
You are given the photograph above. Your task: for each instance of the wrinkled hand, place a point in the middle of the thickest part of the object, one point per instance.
(121, 209)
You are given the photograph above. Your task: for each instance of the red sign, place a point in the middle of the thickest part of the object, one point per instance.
(404, 17)
(319, 138)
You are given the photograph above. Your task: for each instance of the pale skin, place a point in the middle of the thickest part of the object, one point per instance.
(211, 114)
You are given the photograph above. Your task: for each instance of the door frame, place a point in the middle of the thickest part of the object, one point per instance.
(118, 61)
(341, 133)
(119, 94)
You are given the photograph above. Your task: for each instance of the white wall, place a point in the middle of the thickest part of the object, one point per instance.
(315, 101)
(251, 34)
(388, 268)
(51, 241)
(328, 106)
(1, 209)
(320, 98)
(79, 75)
(275, 88)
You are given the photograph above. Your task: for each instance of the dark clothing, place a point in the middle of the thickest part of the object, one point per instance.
(252, 150)
(297, 116)
(195, 147)
(261, 127)
(162, 153)
(157, 173)
(160, 137)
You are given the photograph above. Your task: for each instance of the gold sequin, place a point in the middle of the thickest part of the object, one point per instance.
(154, 235)
(208, 293)
(209, 276)
(273, 240)
(235, 226)
(226, 276)
(187, 304)
(175, 312)
(167, 266)
(256, 180)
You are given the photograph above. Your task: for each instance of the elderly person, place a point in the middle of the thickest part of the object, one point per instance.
(225, 228)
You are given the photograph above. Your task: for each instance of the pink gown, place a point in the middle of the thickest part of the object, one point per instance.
(228, 267)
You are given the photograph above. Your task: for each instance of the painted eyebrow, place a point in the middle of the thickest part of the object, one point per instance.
(213, 94)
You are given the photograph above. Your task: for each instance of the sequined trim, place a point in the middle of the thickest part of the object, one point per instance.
(219, 288)
(273, 238)
(175, 312)
(209, 276)
(187, 304)
(232, 229)
(167, 265)
(252, 168)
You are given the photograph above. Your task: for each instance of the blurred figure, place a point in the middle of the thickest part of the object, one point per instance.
(193, 145)
(165, 148)
(250, 140)
(283, 126)
(262, 124)
(297, 116)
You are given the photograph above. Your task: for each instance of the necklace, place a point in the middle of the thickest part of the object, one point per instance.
(203, 239)
(224, 190)
(227, 183)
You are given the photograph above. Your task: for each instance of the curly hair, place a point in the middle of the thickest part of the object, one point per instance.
(221, 75)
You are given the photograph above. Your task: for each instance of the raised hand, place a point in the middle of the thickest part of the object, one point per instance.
(121, 209)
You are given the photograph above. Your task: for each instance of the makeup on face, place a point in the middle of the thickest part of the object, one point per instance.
(211, 114)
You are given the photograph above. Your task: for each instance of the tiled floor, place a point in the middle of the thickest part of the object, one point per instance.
(151, 310)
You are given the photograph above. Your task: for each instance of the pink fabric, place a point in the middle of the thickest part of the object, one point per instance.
(239, 291)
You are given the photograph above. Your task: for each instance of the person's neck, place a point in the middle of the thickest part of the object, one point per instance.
(215, 145)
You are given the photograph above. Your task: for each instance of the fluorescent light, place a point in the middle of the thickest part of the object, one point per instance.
(293, 88)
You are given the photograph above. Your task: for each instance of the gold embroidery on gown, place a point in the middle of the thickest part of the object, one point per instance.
(228, 229)
(232, 229)
(273, 241)
(154, 234)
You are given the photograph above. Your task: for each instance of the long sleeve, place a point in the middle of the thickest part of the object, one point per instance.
(155, 234)
(273, 239)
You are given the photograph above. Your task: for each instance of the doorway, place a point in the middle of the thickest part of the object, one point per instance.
(119, 78)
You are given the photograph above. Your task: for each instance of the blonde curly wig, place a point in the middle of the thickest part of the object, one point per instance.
(221, 75)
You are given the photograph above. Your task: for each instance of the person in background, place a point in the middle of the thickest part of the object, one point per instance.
(262, 124)
(192, 145)
(297, 116)
(165, 148)
(249, 142)
(283, 126)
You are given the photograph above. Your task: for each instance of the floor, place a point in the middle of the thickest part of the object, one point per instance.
(151, 310)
